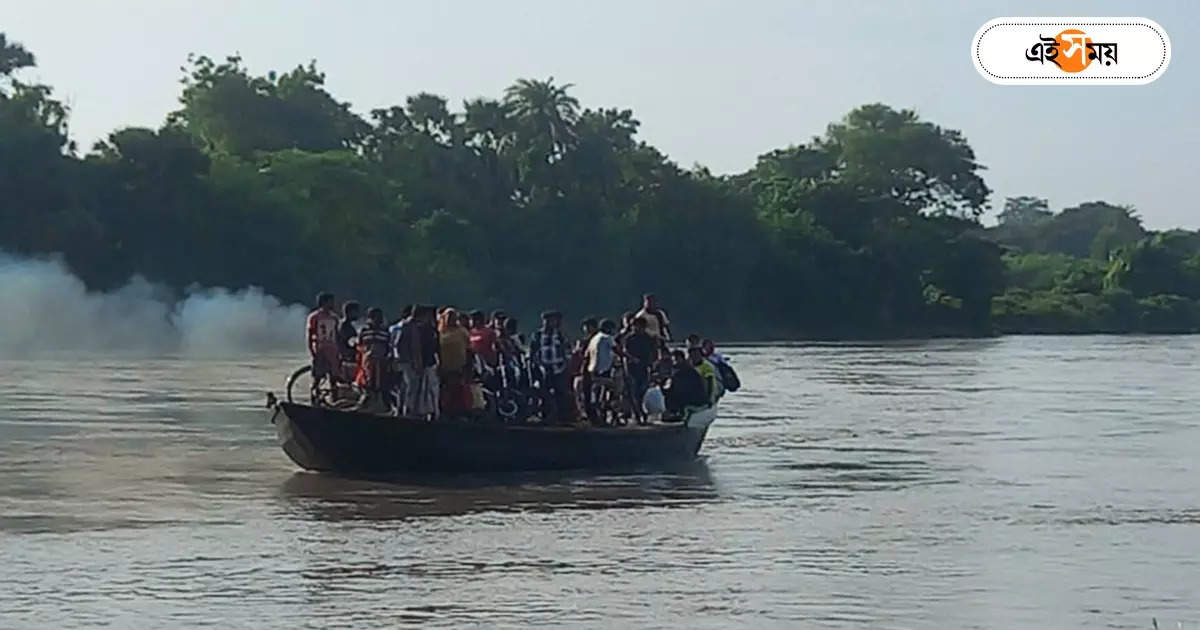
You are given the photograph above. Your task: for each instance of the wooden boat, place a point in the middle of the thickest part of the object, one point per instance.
(325, 439)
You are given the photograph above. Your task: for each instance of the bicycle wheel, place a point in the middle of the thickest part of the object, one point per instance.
(320, 392)
(291, 382)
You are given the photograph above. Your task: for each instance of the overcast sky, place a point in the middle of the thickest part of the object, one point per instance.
(715, 83)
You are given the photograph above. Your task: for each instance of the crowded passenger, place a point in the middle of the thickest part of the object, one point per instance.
(432, 361)
(454, 349)
(598, 365)
(373, 359)
(626, 327)
(707, 372)
(321, 331)
(657, 323)
(577, 367)
(640, 352)
(347, 339)
(430, 348)
(509, 350)
(729, 378)
(548, 351)
(415, 353)
(483, 339)
(685, 388)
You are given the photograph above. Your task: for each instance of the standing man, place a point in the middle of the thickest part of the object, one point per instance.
(640, 351)
(658, 325)
(483, 339)
(548, 350)
(598, 364)
(321, 333)
(373, 353)
(401, 354)
(429, 349)
(347, 339)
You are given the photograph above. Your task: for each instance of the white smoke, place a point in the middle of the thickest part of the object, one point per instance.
(45, 309)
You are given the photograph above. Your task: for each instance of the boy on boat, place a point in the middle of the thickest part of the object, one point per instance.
(373, 359)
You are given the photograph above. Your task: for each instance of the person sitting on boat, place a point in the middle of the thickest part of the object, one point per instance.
(712, 384)
(548, 353)
(373, 359)
(686, 388)
(657, 323)
(347, 339)
(454, 350)
(599, 364)
(729, 378)
(640, 351)
(321, 332)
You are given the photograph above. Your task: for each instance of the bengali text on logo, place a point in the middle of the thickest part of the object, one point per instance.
(1075, 51)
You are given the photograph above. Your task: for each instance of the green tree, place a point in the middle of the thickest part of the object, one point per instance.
(882, 152)
(1024, 211)
(231, 111)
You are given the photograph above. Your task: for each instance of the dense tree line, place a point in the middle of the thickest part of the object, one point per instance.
(531, 200)
(1094, 268)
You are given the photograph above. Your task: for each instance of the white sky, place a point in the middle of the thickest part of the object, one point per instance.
(713, 82)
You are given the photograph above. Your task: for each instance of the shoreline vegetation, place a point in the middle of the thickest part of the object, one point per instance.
(529, 200)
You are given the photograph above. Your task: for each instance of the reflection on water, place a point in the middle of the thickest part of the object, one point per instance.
(330, 497)
(1012, 483)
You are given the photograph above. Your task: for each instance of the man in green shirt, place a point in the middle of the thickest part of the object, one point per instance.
(707, 372)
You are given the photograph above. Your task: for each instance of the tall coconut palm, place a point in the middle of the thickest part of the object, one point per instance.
(488, 124)
(546, 112)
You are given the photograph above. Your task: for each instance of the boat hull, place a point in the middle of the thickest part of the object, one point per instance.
(350, 442)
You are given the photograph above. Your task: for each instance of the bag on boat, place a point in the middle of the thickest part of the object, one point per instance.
(654, 402)
(729, 377)
(477, 399)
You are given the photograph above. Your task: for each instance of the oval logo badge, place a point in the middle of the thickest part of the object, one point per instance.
(1071, 51)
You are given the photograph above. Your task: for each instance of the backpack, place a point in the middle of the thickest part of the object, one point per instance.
(729, 377)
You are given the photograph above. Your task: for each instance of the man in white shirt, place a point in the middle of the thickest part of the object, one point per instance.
(599, 356)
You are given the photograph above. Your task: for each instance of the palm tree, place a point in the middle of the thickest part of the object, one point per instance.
(488, 124)
(546, 112)
(13, 56)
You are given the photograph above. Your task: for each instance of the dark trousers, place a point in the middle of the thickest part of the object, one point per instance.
(559, 395)
(639, 382)
(589, 405)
